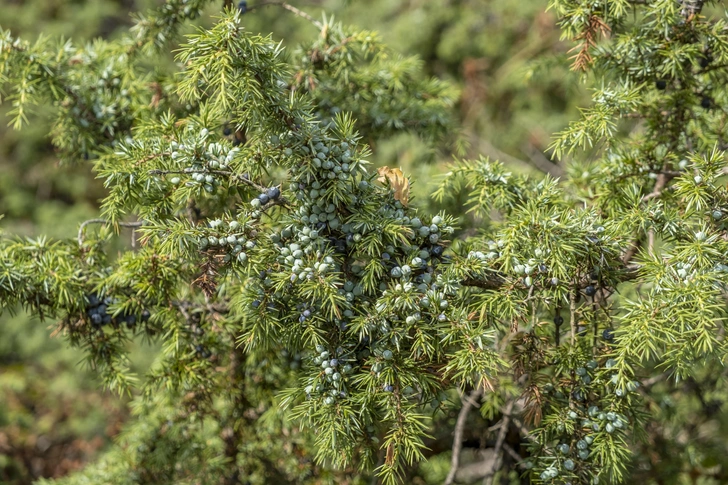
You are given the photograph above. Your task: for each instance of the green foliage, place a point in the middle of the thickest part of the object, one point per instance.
(313, 321)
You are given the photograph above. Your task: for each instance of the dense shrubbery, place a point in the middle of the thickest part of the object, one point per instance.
(318, 324)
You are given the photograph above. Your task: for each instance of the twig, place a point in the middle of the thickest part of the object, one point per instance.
(225, 173)
(103, 221)
(488, 479)
(543, 163)
(572, 315)
(495, 281)
(242, 178)
(691, 8)
(457, 443)
(464, 398)
(651, 241)
(489, 149)
(290, 8)
(512, 453)
(631, 252)
(647, 383)
(524, 431)
(662, 179)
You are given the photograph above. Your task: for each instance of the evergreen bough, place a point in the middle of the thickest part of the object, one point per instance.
(313, 323)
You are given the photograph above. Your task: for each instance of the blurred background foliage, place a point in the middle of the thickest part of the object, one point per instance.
(514, 91)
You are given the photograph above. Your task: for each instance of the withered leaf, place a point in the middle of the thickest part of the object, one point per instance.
(397, 181)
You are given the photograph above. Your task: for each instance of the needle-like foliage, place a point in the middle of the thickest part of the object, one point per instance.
(313, 323)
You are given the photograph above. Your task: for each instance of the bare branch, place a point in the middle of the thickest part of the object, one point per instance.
(103, 221)
(457, 443)
(290, 8)
(498, 460)
(543, 163)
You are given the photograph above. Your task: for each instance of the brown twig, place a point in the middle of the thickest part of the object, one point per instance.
(498, 459)
(543, 163)
(572, 314)
(457, 443)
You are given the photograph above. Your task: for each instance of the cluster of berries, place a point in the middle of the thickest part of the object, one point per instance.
(271, 194)
(201, 160)
(233, 241)
(335, 366)
(98, 312)
(587, 422)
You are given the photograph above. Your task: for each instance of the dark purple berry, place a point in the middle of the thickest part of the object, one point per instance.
(273, 193)
(389, 388)
(256, 303)
(558, 320)
(96, 319)
(706, 102)
(263, 198)
(437, 251)
(243, 6)
(661, 84)
(307, 313)
(705, 60)
(590, 290)
(227, 131)
(145, 315)
(608, 335)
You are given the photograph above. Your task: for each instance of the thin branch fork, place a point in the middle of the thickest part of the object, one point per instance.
(498, 460)
(662, 180)
(457, 443)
